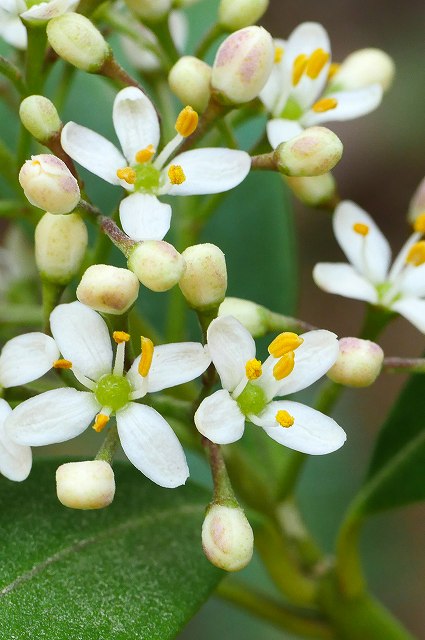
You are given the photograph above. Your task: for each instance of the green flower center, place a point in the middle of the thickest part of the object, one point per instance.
(252, 399)
(292, 110)
(147, 177)
(113, 391)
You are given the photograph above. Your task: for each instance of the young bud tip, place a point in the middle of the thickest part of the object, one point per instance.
(237, 14)
(204, 281)
(85, 485)
(253, 316)
(227, 538)
(358, 364)
(75, 39)
(314, 191)
(108, 289)
(157, 264)
(189, 80)
(48, 184)
(363, 68)
(150, 10)
(39, 116)
(313, 152)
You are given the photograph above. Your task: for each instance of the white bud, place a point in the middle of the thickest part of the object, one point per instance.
(227, 538)
(417, 203)
(157, 264)
(358, 364)
(313, 152)
(364, 67)
(85, 485)
(315, 191)
(108, 289)
(48, 184)
(189, 80)
(60, 245)
(237, 14)
(150, 10)
(39, 116)
(253, 316)
(204, 282)
(242, 65)
(76, 40)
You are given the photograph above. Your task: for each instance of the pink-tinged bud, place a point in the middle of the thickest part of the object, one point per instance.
(362, 68)
(254, 317)
(150, 10)
(85, 485)
(237, 14)
(313, 152)
(358, 364)
(204, 281)
(227, 538)
(242, 65)
(48, 184)
(39, 116)
(189, 80)
(75, 39)
(417, 203)
(108, 289)
(157, 264)
(314, 191)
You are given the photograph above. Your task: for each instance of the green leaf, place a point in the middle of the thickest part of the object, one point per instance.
(134, 570)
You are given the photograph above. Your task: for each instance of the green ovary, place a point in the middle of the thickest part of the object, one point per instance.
(113, 391)
(147, 178)
(292, 110)
(252, 399)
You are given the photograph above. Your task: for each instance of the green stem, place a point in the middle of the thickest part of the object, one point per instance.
(13, 74)
(223, 491)
(208, 40)
(36, 48)
(375, 321)
(264, 162)
(20, 314)
(404, 365)
(51, 294)
(109, 445)
(162, 32)
(8, 168)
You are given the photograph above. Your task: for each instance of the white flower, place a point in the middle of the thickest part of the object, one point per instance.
(61, 414)
(400, 288)
(249, 388)
(295, 93)
(200, 171)
(15, 459)
(11, 11)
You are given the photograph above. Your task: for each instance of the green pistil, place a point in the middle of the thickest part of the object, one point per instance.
(252, 399)
(31, 3)
(147, 177)
(113, 391)
(292, 110)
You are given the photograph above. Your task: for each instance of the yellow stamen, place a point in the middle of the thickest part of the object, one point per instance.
(128, 174)
(361, 229)
(100, 422)
(144, 155)
(416, 255)
(186, 122)
(284, 342)
(284, 419)
(284, 366)
(278, 53)
(333, 68)
(298, 68)
(253, 369)
(316, 62)
(176, 174)
(62, 364)
(325, 104)
(35, 162)
(121, 336)
(419, 224)
(146, 357)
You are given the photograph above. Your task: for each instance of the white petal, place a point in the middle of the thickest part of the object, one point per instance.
(151, 445)
(413, 309)
(219, 418)
(26, 358)
(280, 130)
(351, 104)
(312, 431)
(49, 10)
(83, 338)
(12, 30)
(15, 459)
(277, 86)
(135, 122)
(210, 171)
(344, 280)
(92, 151)
(400, 260)
(144, 217)
(412, 282)
(230, 346)
(53, 416)
(370, 254)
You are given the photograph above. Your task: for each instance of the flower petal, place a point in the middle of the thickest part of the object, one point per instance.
(53, 416)
(400, 260)
(144, 217)
(83, 338)
(219, 418)
(413, 309)
(92, 151)
(280, 130)
(151, 445)
(350, 104)
(48, 10)
(312, 431)
(344, 280)
(12, 30)
(15, 459)
(135, 121)
(277, 86)
(412, 282)
(230, 346)
(26, 358)
(210, 171)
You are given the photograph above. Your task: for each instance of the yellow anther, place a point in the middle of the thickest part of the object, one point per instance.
(333, 68)
(325, 104)
(284, 366)
(253, 369)
(176, 174)
(283, 343)
(128, 174)
(284, 419)
(361, 229)
(144, 155)
(186, 122)
(419, 224)
(121, 336)
(278, 54)
(100, 422)
(298, 68)
(146, 357)
(316, 62)
(62, 364)
(35, 162)
(416, 255)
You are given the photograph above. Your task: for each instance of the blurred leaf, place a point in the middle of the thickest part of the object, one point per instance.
(134, 570)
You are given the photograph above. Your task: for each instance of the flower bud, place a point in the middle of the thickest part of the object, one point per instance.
(315, 191)
(76, 40)
(48, 184)
(227, 538)
(39, 116)
(85, 485)
(358, 363)
(237, 14)
(157, 264)
(417, 203)
(242, 65)
(189, 80)
(362, 68)
(108, 289)
(60, 245)
(150, 10)
(253, 316)
(313, 152)
(204, 282)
